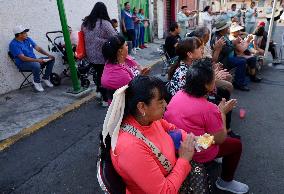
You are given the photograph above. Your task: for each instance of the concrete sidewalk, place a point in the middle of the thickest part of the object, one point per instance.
(24, 111)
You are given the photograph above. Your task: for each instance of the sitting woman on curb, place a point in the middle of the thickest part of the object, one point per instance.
(120, 68)
(140, 107)
(202, 117)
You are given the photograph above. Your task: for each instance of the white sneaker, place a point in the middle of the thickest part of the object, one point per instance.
(134, 51)
(232, 186)
(38, 87)
(98, 95)
(104, 104)
(137, 48)
(219, 160)
(276, 61)
(47, 83)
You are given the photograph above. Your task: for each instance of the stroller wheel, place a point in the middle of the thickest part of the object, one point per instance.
(66, 73)
(55, 79)
(85, 83)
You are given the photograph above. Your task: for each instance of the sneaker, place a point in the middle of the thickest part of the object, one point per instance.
(38, 87)
(141, 47)
(242, 88)
(144, 46)
(232, 186)
(255, 79)
(104, 104)
(134, 51)
(98, 95)
(219, 160)
(47, 83)
(276, 61)
(233, 135)
(137, 48)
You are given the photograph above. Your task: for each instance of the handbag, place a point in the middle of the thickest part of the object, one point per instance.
(80, 49)
(198, 181)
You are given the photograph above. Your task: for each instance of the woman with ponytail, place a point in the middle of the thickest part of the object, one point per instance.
(120, 68)
(187, 50)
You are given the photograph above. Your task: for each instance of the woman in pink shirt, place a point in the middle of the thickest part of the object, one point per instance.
(141, 105)
(190, 110)
(120, 68)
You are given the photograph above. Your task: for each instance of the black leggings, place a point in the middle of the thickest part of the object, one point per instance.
(99, 68)
(131, 36)
(271, 49)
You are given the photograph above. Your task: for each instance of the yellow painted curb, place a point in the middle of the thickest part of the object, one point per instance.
(29, 130)
(35, 127)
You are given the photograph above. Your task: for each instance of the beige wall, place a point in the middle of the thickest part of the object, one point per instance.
(40, 16)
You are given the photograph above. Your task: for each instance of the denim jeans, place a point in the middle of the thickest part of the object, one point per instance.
(141, 35)
(240, 74)
(136, 36)
(250, 27)
(35, 68)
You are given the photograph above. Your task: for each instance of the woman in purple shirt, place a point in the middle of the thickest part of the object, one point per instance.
(97, 29)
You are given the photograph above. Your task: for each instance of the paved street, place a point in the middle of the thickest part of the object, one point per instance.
(61, 157)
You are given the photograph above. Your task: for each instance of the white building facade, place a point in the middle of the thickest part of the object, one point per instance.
(40, 16)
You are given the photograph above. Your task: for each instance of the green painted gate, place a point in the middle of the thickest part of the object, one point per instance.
(139, 4)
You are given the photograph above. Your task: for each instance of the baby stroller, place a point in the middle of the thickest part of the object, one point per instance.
(57, 45)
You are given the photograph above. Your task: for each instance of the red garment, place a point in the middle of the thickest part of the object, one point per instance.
(140, 168)
(230, 150)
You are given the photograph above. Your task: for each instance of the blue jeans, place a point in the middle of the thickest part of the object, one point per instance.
(35, 68)
(250, 27)
(240, 74)
(142, 34)
(136, 36)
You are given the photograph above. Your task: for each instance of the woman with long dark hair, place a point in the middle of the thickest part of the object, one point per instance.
(187, 50)
(97, 29)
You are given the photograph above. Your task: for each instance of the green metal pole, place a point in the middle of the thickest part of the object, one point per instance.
(68, 46)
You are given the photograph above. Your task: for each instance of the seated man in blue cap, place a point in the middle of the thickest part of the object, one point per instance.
(21, 47)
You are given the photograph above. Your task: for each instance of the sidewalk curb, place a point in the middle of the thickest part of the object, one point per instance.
(154, 63)
(35, 127)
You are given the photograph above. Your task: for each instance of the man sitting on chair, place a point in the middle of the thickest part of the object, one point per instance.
(21, 47)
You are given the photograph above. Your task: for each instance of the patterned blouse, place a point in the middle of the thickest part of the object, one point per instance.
(178, 80)
(95, 38)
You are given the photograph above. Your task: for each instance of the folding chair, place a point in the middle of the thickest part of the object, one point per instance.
(109, 180)
(167, 60)
(26, 73)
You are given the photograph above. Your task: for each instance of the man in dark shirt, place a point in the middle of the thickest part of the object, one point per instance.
(172, 40)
